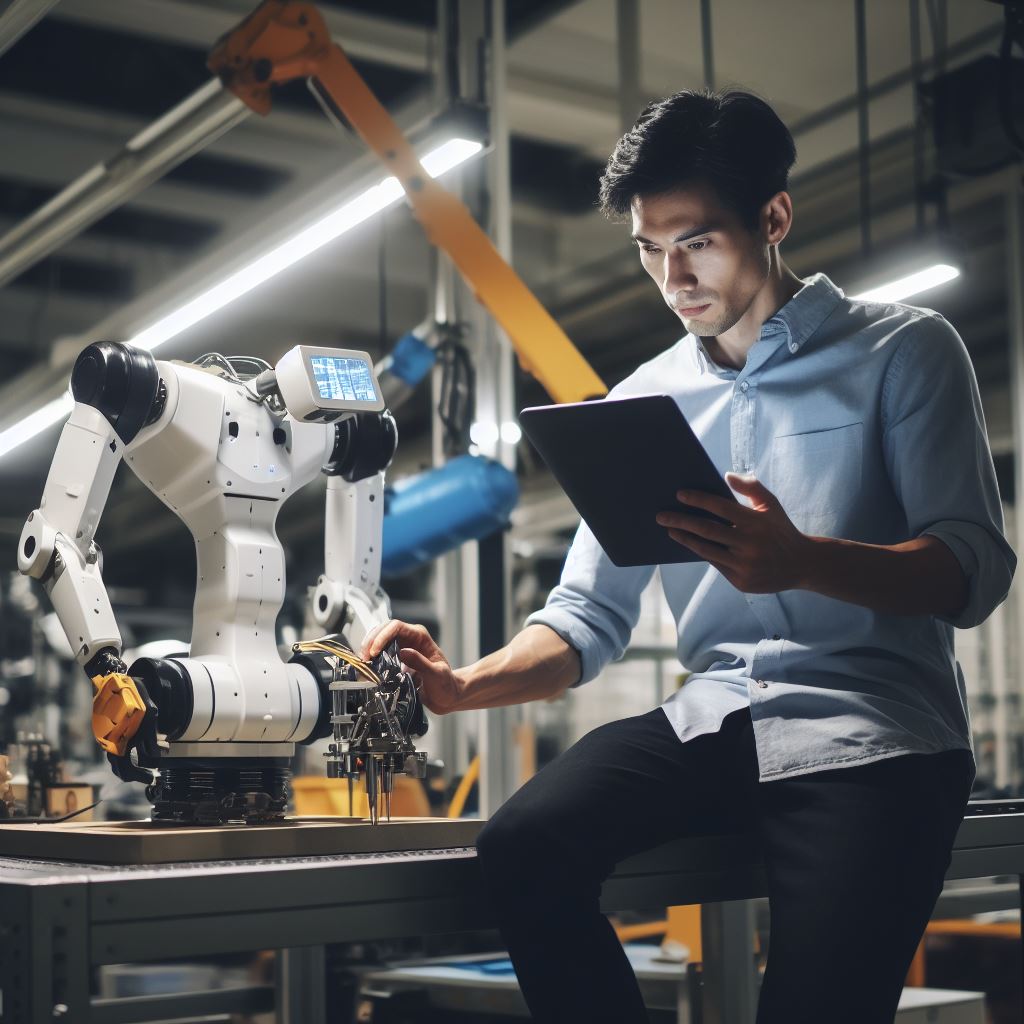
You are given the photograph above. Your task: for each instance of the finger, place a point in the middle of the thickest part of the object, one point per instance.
(706, 528)
(364, 650)
(729, 510)
(734, 479)
(372, 643)
(714, 553)
(420, 639)
(412, 659)
(752, 488)
(389, 631)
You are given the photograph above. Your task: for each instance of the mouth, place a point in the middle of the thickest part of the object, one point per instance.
(692, 311)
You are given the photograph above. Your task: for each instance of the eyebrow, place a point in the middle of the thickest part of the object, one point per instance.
(706, 230)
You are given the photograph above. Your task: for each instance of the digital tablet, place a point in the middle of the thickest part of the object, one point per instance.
(620, 461)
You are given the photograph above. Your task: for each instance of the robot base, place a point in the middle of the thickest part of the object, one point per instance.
(221, 790)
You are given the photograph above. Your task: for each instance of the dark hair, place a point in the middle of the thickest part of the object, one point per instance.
(730, 140)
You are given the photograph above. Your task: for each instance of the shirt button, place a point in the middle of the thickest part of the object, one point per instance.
(792, 346)
(744, 386)
(762, 684)
(776, 636)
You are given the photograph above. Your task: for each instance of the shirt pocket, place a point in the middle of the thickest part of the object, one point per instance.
(816, 474)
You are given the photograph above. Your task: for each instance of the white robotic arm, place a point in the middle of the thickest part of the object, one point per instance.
(58, 546)
(117, 392)
(224, 451)
(332, 383)
(348, 597)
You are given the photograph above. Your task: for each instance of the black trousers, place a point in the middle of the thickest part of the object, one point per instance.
(855, 861)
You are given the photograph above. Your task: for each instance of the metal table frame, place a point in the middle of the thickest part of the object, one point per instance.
(58, 921)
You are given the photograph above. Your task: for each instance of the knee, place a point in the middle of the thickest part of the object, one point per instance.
(528, 852)
(520, 867)
(524, 846)
(508, 842)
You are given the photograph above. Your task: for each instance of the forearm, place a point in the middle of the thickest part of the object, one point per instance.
(918, 577)
(536, 664)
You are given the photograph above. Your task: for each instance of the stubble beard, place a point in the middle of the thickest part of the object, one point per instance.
(706, 328)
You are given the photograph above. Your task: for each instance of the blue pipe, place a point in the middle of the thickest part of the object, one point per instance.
(434, 512)
(410, 360)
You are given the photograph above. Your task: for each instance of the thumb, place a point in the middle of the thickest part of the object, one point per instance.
(749, 485)
(364, 651)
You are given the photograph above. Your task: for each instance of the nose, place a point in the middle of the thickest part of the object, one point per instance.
(678, 276)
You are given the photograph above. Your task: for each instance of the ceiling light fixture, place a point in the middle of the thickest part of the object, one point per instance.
(910, 284)
(350, 214)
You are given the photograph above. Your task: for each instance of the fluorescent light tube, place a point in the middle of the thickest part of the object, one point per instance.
(36, 422)
(911, 284)
(334, 224)
(347, 216)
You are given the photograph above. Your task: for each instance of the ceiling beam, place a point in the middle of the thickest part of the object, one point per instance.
(564, 104)
(51, 160)
(118, 251)
(265, 223)
(284, 139)
(32, 319)
(18, 18)
(200, 25)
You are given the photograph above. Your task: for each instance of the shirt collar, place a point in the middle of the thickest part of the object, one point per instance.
(805, 312)
(799, 319)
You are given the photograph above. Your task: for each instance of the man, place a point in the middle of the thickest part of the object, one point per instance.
(826, 710)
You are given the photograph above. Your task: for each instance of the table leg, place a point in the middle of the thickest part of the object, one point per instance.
(300, 977)
(730, 988)
(44, 954)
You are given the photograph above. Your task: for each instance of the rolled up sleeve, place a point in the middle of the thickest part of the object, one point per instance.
(596, 604)
(940, 464)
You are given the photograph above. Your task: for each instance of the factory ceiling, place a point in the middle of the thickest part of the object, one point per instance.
(93, 73)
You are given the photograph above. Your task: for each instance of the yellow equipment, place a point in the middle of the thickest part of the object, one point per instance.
(286, 39)
(117, 711)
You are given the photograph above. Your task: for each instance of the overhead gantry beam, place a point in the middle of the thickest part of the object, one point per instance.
(18, 18)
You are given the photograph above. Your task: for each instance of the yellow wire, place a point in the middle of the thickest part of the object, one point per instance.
(361, 667)
(329, 647)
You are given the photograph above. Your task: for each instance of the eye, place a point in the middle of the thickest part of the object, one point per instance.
(649, 249)
(698, 246)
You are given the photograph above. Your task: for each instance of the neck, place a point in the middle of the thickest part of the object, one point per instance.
(779, 287)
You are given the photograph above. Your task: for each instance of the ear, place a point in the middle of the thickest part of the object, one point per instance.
(777, 218)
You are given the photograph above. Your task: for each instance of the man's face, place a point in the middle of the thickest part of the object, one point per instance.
(707, 263)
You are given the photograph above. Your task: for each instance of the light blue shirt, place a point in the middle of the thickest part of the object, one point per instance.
(864, 419)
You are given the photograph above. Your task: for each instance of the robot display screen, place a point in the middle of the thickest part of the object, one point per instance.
(342, 378)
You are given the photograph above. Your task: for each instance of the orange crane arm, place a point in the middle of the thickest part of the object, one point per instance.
(287, 39)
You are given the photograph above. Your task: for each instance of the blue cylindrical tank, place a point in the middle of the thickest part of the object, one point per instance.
(436, 511)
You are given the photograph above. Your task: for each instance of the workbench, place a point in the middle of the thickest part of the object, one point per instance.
(60, 920)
